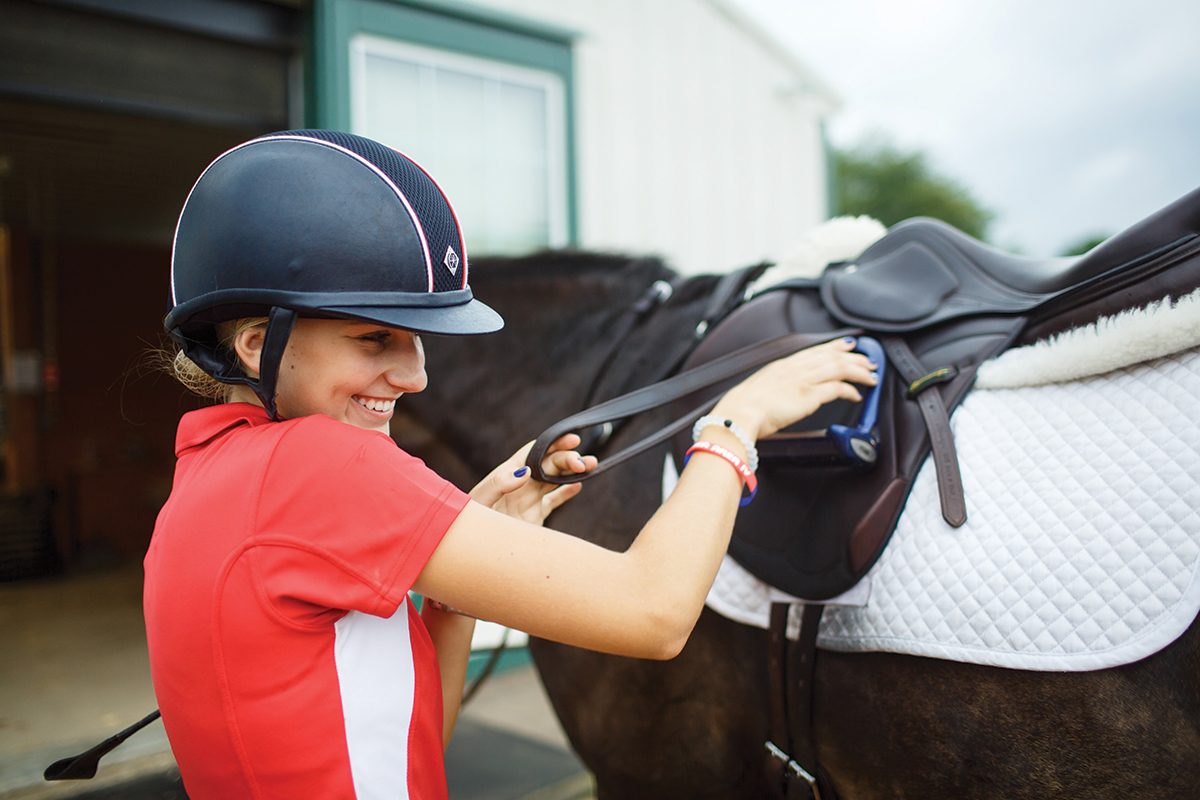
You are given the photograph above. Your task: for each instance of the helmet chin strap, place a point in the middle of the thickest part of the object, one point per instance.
(279, 328)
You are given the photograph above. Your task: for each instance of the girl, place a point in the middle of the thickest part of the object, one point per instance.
(287, 658)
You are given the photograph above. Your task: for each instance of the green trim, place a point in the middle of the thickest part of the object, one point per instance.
(510, 659)
(495, 18)
(310, 72)
(831, 176)
(449, 25)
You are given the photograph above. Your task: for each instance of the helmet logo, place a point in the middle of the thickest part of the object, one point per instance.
(451, 260)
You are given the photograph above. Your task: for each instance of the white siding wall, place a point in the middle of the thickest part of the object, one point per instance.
(697, 138)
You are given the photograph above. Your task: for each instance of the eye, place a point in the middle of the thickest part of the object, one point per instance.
(375, 337)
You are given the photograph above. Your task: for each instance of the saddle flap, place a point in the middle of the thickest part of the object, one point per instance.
(903, 286)
(813, 531)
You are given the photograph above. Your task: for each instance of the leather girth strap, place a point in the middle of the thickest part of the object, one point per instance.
(921, 387)
(791, 751)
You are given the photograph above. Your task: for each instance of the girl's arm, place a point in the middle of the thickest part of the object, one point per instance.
(645, 601)
(451, 634)
(508, 491)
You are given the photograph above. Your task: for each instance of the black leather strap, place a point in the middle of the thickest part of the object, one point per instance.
(682, 385)
(777, 674)
(279, 328)
(937, 422)
(728, 294)
(777, 691)
(656, 294)
(802, 664)
(791, 751)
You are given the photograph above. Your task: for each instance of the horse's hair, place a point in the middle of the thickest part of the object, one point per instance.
(551, 265)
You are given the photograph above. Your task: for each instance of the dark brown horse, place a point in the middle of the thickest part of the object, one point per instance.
(885, 726)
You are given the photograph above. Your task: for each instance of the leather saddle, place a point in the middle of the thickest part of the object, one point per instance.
(941, 303)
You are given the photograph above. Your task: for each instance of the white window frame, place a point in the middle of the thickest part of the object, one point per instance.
(492, 71)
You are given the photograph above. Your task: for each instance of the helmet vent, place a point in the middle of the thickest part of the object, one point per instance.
(422, 192)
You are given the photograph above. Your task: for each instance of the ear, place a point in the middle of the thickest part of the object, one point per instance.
(248, 344)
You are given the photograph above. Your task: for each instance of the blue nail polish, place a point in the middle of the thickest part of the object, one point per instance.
(849, 340)
(521, 472)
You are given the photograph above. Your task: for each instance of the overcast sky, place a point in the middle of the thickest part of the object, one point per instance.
(1064, 117)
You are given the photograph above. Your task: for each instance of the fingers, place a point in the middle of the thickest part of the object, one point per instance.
(560, 495)
(792, 388)
(568, 441)
(510, 488)
(501, 481)
(562, 459)
(831, 361)
(838, 356)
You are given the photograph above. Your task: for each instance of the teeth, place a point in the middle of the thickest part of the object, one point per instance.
(376, 405)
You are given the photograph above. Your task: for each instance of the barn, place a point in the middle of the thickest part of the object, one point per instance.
(676, 127)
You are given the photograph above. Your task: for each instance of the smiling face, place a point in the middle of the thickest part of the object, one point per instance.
(347, 370)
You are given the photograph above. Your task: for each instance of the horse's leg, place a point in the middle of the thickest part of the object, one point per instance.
(692, 727)
(891, 726)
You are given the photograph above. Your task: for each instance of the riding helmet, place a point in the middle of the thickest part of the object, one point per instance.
(320, 224)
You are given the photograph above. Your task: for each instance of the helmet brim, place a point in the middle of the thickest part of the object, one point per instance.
(446, 313)
(469, 318)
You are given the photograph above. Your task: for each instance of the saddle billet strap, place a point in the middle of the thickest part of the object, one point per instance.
(937, 423)
(685, 383)
(777, 691)
(790, 687)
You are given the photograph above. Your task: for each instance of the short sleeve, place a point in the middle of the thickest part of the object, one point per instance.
(346, 521)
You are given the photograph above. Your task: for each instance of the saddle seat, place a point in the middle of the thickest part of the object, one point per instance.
(924, 272)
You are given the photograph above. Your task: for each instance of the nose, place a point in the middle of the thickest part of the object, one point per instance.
(406, 370)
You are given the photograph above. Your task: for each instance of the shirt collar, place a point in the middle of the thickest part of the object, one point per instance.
(199, 427)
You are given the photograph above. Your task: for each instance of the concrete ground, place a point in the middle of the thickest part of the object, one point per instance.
(74, 671)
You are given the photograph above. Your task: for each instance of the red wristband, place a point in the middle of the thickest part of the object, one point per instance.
(722, 452)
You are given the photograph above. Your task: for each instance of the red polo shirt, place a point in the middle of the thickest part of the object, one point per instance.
(287, 658)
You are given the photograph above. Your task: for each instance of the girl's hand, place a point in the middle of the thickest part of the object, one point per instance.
(792, 388)
(510, 490)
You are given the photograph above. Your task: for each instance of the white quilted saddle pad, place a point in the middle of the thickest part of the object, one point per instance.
(1082, 542)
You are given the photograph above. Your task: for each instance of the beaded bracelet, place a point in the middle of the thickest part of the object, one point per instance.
(743, 470)
(735, 429)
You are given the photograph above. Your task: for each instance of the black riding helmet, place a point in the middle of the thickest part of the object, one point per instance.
(318, 224)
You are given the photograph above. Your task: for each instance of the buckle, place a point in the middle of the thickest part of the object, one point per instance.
(797, 770)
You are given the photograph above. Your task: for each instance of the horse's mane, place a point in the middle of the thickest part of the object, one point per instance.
(573, 265)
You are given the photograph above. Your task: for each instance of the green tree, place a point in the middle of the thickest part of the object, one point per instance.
(878, 179)
(1084, 244)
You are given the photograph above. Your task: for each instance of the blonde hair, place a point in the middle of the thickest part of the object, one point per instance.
(195, 379)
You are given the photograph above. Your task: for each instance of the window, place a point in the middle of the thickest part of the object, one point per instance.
(491, 133)
(482, 98)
